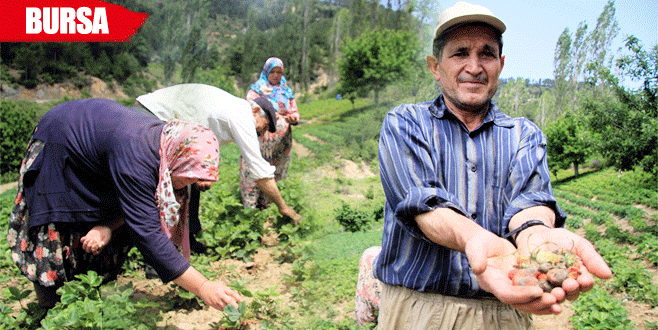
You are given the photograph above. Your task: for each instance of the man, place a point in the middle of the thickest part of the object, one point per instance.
(232, 119)
(459, 175)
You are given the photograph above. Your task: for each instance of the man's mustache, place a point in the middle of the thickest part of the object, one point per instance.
(482, 79)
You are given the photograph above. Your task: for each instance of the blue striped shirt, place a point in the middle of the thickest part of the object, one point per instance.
(428, 159)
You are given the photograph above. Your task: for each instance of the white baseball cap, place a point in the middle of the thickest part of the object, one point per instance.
(463, 12)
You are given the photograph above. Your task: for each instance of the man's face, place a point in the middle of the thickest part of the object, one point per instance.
(469, 68)
(262, 122)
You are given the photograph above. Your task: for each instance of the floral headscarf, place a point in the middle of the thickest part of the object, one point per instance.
(279, 94)
(186, 150)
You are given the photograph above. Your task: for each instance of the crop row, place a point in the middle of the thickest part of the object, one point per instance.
(629, 251)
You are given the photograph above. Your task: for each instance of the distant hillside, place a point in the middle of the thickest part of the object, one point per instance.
(44, 93)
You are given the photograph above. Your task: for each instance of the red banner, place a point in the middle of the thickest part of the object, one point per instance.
(67, 21)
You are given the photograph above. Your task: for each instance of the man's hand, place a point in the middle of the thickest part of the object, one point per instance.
(591, 262)
(268, 186)
(492, 257)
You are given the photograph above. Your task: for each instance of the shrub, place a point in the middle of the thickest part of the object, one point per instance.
(355, 220)
(16, 126)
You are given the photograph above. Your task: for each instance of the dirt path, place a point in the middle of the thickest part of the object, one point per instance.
(7, 186)
(301, 150)
(555, 322)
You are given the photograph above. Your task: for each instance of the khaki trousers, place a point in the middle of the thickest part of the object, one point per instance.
(406, 309)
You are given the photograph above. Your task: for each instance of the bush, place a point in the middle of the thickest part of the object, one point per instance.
(16, 126)
(356, 220)
(137, 84)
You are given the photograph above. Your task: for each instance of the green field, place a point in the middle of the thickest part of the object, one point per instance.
(318, 260)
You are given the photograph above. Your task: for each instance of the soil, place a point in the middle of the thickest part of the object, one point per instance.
(300, 150)
(263, 272)
(96, 88)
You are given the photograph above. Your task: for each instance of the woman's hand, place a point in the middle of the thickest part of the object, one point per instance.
(213, 293)
(96, 239)
(292, 119)
(203, 185)
(218, 295)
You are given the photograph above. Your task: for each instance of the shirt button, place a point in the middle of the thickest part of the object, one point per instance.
(474, 216)
(473, 169)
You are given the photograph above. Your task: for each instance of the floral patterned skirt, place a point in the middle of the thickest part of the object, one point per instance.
(368, 288)
(276, 149)
(51, 254)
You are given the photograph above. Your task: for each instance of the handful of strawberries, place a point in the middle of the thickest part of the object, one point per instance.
(546, 269)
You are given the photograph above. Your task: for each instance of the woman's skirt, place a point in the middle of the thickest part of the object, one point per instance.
(276, 149)
(51, 254)
(368, 288)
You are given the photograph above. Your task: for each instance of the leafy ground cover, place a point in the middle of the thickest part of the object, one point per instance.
(304, 277)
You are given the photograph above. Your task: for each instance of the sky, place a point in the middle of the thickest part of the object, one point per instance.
(534, 26)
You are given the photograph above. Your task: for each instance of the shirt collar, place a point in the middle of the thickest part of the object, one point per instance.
(494, 115)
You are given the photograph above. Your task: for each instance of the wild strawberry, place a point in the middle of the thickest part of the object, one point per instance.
(556, 276)
(526, 281)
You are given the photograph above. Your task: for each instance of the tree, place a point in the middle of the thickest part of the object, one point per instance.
(513, 95)
(173, 30)
(627, 123)
(600, 38)
(568, 143)
(546, 101)
(193, 56)
(562, 71)
(374, 60)
(217, 77)
(642, 66)
(577, 59)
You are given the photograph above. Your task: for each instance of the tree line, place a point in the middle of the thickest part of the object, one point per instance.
(230, 37)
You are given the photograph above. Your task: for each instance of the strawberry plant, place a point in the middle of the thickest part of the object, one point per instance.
(233, 317)
(648, 246)
(84, 306)
(29, 315)
(597, 310)
(231, 230)
(635, 280)
(264, 305)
